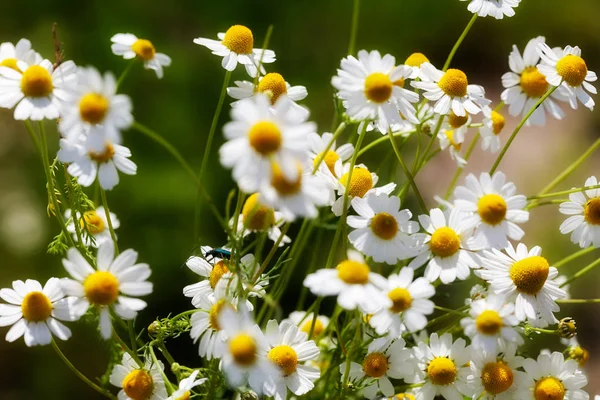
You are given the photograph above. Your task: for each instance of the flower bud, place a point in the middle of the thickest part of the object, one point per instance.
(567, 328)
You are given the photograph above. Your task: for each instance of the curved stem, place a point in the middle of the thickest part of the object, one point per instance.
(381, 140)
(125, 73)
(450, 311)
(168, 384)
(459, 170)
(126, 348)
(321, 156)
(260, 61)
(578, 301)
(459, 41)
(563, 192)
(572, 257)
(272, 252)
(581, 272)
(407, 173)
(108, 219)
(354, 28)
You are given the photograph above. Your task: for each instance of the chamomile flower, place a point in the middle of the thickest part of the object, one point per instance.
(451, 91)
(259, 135)
(553, 377)
(584, 211)
(186, 385)
(139, 382)
(381, 228)
(410, 304)
(95, 109)
(525, 85)
(567, 69)
(288, 349)
(352, 282)
(10, 54)
(492, 324)
(446, 247)
(495, 376)
(527, 277)
(442, 367)
(257, 216)
(93, 225)
(382, 362)
(493, 208)
(493, 123)
(129, 46)
(452, 139)
(334, 154)
(414, 62)
(205, 327)
(237, 46)
(114, 284)
(372, 88)
(304, 321)
(493, 8)
(87, 161)
(35, 312)
(36, 89)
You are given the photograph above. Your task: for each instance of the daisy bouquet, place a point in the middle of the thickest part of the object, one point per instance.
(371, 320)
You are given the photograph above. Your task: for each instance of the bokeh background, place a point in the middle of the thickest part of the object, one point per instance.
(310, 37)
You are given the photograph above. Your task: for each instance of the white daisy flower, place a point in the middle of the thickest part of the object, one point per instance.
(36, 89)
(257, 216)
(410, 304)
(236, 46)
(35, 312)
(184, 391)
(288, 349)
(372, 88)
(526, 276)
(95, 109)
(382, 362)
(129, 46)
(442, 367)
(93, 225)
(525, 85)
(352, 282)
(584, 211)
(205, 327)
(86, 161)
(10, 54)
(139, 382)
(491, 325)
(493, 8)
(259, 135)
(493, 123)
(452, 139)
(555, 378)
(381, 228)
(414, 62)
(451, 91)
(493, 208)
(304, 321)
(567, 69)
(114, 284)
(446, 247)
(334, 154)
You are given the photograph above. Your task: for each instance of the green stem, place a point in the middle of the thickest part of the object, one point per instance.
(450, 311)
(125, 73)
(260, 61)
(33, 136)
(168, 384)
(321, 156)
(563, 192)
(434, 134)
(272, 252)
(108, 219)
(163, 349)
(459, 41)
(381, 140)
(354, 28)
(578, 301)
(126, 348)
(409, 176)
(459, 170)
(582, 272)
(74, 212)
(534, 204)
(572, 257)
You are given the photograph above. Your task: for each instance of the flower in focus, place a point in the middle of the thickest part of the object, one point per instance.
(10, 54)
(584, 211)
(493, 8)
(139, 382)
(493, 123)
(186, 385)
(93, 225)
(129, 46)
(305, 320)
(553, 377)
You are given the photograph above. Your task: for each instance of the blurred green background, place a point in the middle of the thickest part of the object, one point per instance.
(310, 37)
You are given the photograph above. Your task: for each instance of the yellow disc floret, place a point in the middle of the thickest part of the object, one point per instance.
(239, 39)
(10, 63)
(93, 107)
(138, 385)
(491, 208)
(403, 396)
(378, 87)
(257, 216)
(384, 226)
(580, 355)
(450, 137)
(285, 358)
(101, 288)
(185, 396)
(36, 307)
(444, 242)
(265, 137)
(529, 274)
(441, 371)
(549, 388)
(455, 121)
(92, 223)
(144, 49)
(353, 272)
(498, 122)
(454, 83)
(416, 59)
(36, 82)
(317, 330)
(243, 349)
(497, 377)
(217, 272)
(401, 300)
(591, 211)
(375, 365)
(572, 69)
(330, 159)
(215, 310)
(283, 186)
(489, 322)
(274, 85)
(360, 182)
(104, 156)
(533, 82)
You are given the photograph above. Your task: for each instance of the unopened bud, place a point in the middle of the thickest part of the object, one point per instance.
(154, 328)
(249, 396)
(579, 354)
(567, 328)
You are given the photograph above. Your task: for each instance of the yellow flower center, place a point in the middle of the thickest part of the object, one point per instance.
(498, 122)
(450, 136)
(591, 211)
(444, 242)
(317, 330)
(330, 159)
(403, 396)
(455, 121)
(92, 223)
(186, 396)
(497, 377)
(257, 216)
(416, 59)
(491, 208)
(401, 300)
(138, 385)
(353, 272)
(144, 49)
(375, 365)
(533, 82)
(239, 39)
(215, 310)
(441, 371)
(282, 185)
(454, 83)
(93, 108)
(36, 307)
(580, 355)
(378, 87)
(549, 388)
(104, 156)
(101, 288)
(572, 69)
(360, 183)
(274, 85)
(400, 82)
(216, 273)
(243, 349)
(265, 137)
(384, 226)
(10, 63)
(36, 82)
(530, 274)
(489, 322)
(285, 358)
